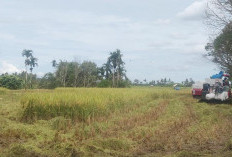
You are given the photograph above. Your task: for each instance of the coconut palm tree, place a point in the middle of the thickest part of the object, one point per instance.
(27, 54)
(30, 61)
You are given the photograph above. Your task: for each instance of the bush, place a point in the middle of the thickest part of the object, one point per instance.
(108, 83)
(104, 84)
(124, 84)
(11, 82)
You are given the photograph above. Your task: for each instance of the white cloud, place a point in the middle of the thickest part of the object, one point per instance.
(6, 36)
(193, 12)
(161, 44)
(199, 48)
(176, 35)
(7, 67)
(175, 68)
(162, 21)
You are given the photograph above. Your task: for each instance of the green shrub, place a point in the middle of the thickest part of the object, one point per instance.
(11, 82)
(105, 84)
(124, 84)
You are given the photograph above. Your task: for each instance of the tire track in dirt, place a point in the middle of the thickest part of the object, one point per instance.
(167, 138)
(139, 120)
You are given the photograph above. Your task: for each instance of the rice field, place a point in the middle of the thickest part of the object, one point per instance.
(112, 122)
(84, 104)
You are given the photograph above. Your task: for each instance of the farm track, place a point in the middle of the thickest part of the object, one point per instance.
(130, 122)
(169, 136)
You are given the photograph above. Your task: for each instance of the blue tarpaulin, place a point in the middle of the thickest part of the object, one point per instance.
(218, 76)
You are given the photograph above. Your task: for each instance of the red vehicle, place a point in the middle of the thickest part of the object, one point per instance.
(196, 92)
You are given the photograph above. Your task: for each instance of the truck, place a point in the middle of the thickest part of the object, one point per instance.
(217, 87)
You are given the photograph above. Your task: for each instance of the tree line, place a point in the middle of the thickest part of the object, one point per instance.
(163, 82)
(69, 74)
(78, 74)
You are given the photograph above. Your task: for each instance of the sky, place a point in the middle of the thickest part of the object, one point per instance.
(157, 38)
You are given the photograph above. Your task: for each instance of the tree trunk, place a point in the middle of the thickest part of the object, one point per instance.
(84, 80)
(118, 74)
(113, 80)
(75, 82)
(31, 81)
(118, 78)
(64, 83)
(26, 79)
(76, 76)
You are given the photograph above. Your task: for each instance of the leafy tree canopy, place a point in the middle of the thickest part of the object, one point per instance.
(11, 82)
(220, 50)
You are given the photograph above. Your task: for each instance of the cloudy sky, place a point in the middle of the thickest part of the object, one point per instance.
(157, 38)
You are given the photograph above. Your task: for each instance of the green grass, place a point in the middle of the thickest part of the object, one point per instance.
(112, 122)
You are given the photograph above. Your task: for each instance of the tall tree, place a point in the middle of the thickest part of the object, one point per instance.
(107, 67)
(117, 65)
(30, 61)
(218, 13)
(220, 50)
(27, 54)
(62, 71)
(89, 73)
(77, 71)
(33, 63)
